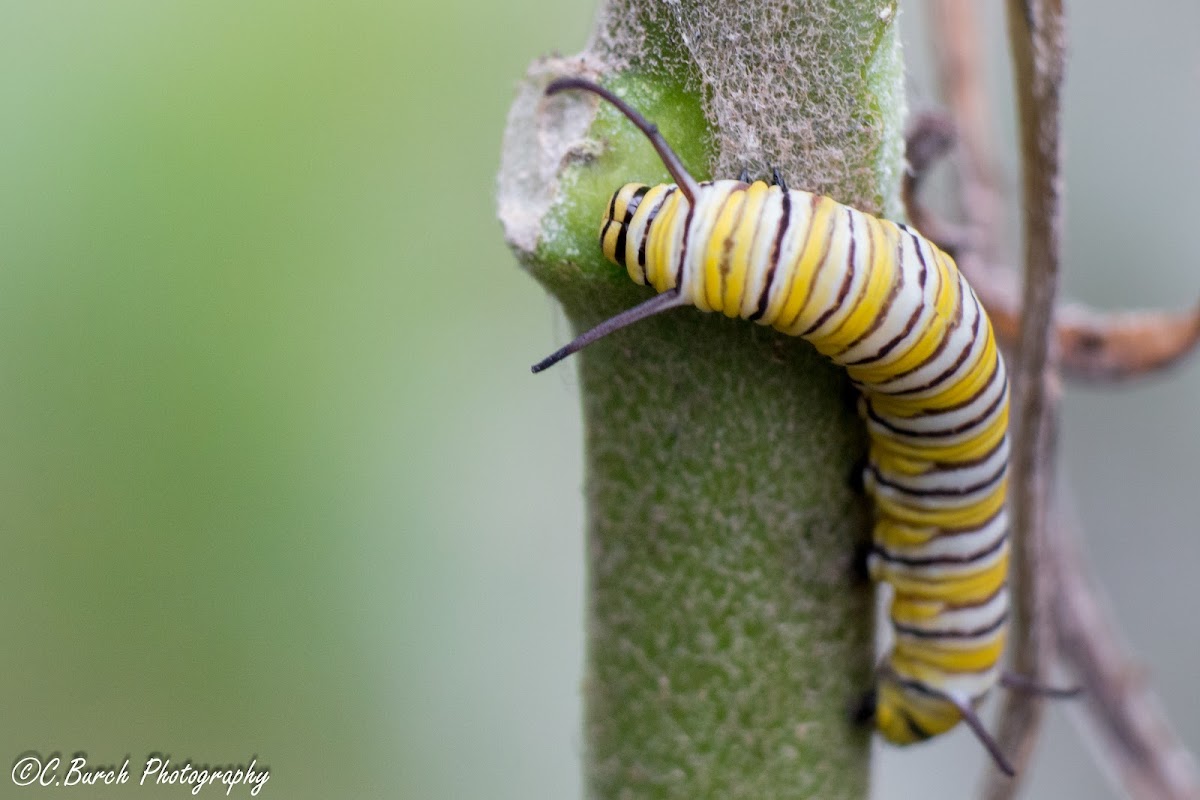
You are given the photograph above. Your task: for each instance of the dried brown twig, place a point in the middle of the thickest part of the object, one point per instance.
(1128, 722)
(1088, 345)
(1118, 346)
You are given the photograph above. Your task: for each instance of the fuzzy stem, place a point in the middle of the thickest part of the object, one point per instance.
(727, 636)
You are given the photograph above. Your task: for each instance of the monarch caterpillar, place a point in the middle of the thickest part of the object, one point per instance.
(892, 309)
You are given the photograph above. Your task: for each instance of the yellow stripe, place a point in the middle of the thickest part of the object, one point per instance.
(908, 610)
(744, 238)
(970, 517)
(828, 278)
(649, 200)
(798, 274)
(964, 383)
(660, 249)
(973, 586)
(933, 715)
(976, 659)
(728, 217)
(881, 276)
(900, 361)
(896, 536)
(893, 454)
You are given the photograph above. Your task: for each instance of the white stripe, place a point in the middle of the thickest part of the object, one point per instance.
(837, 262)
(953, 477)
(961, 338)
(760, 250)
(971, 618)
(903, 306)
(934, 572)
(708, 210)
(958, 545)
(927, 303)
(794, 238)
(828, 275)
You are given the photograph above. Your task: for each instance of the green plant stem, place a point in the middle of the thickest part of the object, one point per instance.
(728, 636)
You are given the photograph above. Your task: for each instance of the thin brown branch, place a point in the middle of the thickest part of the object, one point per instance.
(1038, 38)
(1134, 733)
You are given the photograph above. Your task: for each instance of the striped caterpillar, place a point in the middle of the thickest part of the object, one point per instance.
(891, 308)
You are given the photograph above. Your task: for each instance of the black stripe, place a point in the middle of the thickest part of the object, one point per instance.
(620, 249)
(882, 312)
(952, 633)
(912, 320)
(868, 264)
(998, 368)
(921, 688)
(687, 234)
(951, 326)
(946, 493)
(774, 260)
(845, 287)
(942, 561)
(916, 730)
(949, 371)
(815, 202)
(937, 694)
(651, 214)
(634, 202)
(942, 345)
(630, 208)
(957, 429)
(750, 252)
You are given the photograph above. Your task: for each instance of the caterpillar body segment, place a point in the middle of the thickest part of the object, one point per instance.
(891, 308)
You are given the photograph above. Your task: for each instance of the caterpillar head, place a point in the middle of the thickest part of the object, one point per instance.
(614, 229)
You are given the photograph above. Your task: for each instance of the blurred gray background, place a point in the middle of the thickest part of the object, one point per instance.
(274, 477)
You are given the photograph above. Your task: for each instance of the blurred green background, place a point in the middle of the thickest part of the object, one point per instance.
(274, 478)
